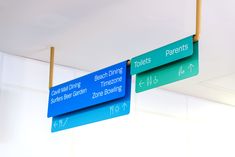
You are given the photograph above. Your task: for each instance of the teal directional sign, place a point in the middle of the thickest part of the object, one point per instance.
(161, 56)
(169, 73)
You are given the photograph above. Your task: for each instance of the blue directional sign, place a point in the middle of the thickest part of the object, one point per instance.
(92, 89)
(96, 113)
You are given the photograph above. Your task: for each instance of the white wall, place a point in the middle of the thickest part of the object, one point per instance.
(161, 123)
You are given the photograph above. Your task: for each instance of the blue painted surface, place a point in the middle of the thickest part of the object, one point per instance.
(96, 113)
(92, 89)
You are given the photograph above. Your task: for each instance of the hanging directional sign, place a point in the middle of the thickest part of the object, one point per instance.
(92, 89)
(169, 73)
(161, 56)
(107, 110)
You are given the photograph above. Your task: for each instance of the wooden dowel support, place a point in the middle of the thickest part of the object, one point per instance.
(198, 20)
(196, 38)
(51, 73)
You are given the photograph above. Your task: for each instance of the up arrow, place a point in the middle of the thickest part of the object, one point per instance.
(190, 67)
(124, 105)
(141, 83)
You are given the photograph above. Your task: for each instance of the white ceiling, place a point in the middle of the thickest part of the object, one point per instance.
(90, 35)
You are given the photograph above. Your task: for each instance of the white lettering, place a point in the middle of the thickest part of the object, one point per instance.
(64, 89)
(115, 72)
(113, 90)
(57, 99)
(100, 77)
(79, 92)
(142, 62)
(67, 96)
(75, 85)
(55, 92)
(97, 94)
(176, 50)
(110, 82)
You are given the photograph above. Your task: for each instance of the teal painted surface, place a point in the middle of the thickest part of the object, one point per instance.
(169, 73)
(161, 56)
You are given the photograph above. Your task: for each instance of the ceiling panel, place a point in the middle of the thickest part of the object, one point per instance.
(89, 34)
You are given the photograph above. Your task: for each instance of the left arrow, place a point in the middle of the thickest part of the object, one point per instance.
(141, 83)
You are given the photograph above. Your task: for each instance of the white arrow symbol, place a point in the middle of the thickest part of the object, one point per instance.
(124, 105)
(190, 67)
(141, 83)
